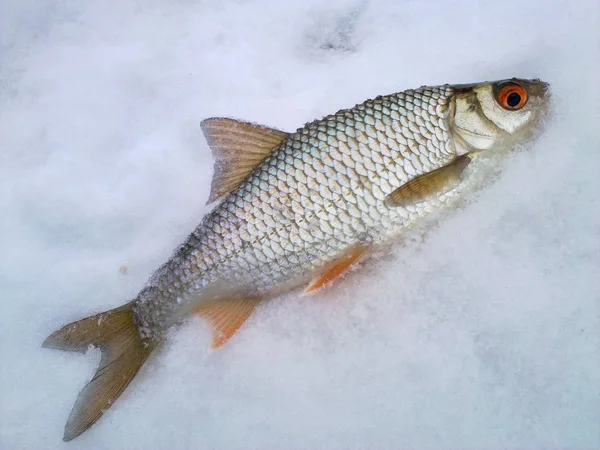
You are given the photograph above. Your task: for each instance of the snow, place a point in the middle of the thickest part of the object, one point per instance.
(485, 334)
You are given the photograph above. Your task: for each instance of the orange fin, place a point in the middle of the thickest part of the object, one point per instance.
(336, 269)
(227, 316)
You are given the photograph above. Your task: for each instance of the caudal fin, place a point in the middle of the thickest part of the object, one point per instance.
(123, 353)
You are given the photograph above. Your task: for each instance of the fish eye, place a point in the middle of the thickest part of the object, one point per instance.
(511, 96)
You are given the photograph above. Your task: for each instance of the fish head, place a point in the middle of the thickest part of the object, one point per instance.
(497, 115)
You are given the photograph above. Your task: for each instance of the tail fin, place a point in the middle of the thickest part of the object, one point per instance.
(123, 353)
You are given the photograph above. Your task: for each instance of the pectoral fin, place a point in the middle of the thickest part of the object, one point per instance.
(337, 268)
(227, 316)
(432, 183)
(238, 147)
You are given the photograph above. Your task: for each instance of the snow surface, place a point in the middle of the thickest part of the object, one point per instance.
(483, 335)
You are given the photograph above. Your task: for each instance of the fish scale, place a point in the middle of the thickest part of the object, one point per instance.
(303, 208)
(321, 191)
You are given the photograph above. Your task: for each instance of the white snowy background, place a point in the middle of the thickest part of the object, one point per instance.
(484, 335)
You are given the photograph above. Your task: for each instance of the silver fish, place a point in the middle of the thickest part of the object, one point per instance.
(298, 209)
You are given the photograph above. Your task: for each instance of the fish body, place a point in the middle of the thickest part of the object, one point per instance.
(297, 209)
(319, 193)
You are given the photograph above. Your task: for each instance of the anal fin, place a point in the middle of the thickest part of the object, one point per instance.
(227, 316)
(337, 268)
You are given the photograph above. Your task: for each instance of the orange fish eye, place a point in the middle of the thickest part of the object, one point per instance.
(511, 96)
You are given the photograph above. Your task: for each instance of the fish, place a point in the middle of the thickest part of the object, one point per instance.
(297, 210)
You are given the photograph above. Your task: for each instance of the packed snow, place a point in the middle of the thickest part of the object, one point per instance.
(483, 334)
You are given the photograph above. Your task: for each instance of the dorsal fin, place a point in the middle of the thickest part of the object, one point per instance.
(238, 147)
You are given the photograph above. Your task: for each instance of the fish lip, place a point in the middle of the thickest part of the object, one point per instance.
(544, 84)
(545, 88)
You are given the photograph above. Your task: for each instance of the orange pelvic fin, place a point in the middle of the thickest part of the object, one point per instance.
(336, 269)
(227, 316)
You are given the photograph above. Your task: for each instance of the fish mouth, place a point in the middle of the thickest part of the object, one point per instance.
(543, 84)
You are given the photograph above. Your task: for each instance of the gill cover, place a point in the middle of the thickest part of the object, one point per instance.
(496, 114)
